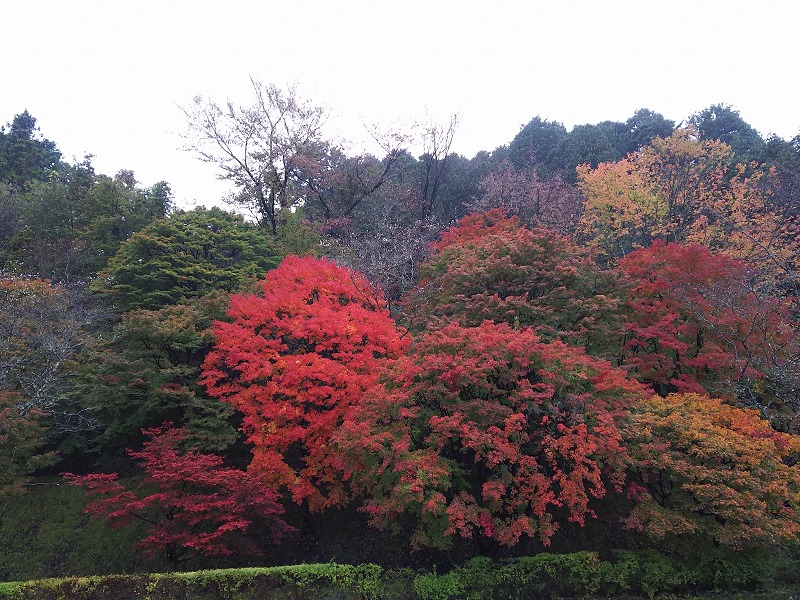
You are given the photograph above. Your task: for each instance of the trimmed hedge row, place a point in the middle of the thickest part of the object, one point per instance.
(542, 576)
(583, 574)
(298, 582)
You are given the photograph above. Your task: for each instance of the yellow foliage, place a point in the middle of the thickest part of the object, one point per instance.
(681, 189)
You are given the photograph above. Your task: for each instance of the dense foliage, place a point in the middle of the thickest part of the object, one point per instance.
(572, 575)
(22, 435)
(705, 468)
(488, 432)
(146, 374)
(187, 256)
(489, 267)
(293, 361)
(686, 190)
(583, 338)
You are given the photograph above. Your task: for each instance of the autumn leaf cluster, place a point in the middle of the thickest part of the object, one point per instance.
(529, 386)
(635, 367)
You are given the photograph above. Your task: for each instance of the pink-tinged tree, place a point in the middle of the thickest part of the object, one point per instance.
(192, 503)
(294, 360)
(549, 203)
(490, 434)
(701, 467)
(489, 267)
(696, 323)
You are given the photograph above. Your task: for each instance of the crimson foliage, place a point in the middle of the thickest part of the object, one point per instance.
(696, 322)
(488, 432)
(193, 504)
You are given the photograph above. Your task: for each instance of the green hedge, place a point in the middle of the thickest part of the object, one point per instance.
(580, 574)
(583, 574)
(298, 582)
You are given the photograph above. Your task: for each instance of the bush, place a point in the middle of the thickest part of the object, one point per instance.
(439, 587)
(580, 574)
(296, 583)
(652, 573)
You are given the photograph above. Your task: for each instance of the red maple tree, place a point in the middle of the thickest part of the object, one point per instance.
(488, 433)
(294, 360)
(698, 323)
(192, 503)
(489, 267)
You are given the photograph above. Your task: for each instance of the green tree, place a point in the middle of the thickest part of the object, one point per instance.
(585, 144)
(458, 185)
(115, 208)
(722, 122)
(536, 145)
(146, 374)
(22, 435)
(188, 255)
(24, 155)
(643, 127)
(9, 222)
(784, 157)
(70, 225)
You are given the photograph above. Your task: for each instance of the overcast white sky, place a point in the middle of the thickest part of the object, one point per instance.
(106, 77)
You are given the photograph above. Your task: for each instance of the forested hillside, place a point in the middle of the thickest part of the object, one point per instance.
(582, 340)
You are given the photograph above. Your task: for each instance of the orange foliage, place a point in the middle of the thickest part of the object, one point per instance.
(682, 189)
(706, 468)
(293, 360)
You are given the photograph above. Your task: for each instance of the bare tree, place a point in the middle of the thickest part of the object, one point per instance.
(350, 180)
(389, 253)
(43, 329)
(264, 149)
(436, 140)
(341, 183)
